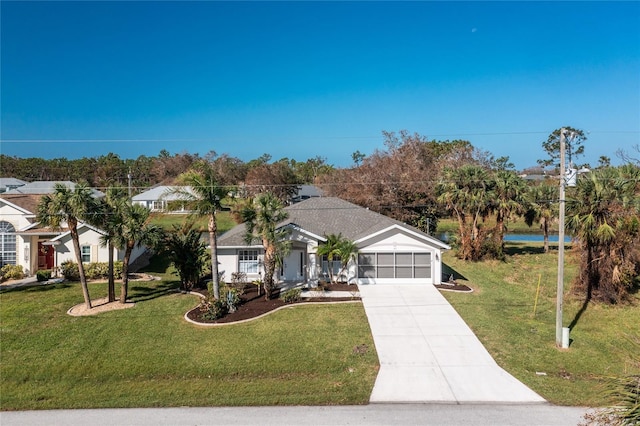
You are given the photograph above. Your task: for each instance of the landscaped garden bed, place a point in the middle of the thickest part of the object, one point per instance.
(254, 305)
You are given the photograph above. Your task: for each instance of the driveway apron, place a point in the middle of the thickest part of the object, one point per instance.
(427, 353)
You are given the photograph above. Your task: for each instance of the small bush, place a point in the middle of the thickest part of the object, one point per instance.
(96, 270)
(70, 271)
(291, 296)
(212, 309)
(43, 275)
(11, 272)
(230, 297)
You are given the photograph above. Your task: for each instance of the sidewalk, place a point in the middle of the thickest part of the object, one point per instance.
(428, 353)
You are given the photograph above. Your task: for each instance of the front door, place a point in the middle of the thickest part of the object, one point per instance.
(293, 267)
(45, 256)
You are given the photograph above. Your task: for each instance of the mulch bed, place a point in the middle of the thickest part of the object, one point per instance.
(461, 288)
(253, 305)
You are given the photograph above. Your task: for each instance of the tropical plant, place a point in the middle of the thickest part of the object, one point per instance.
(67, 206)
(508, 197)
(331, 249)
(110, 221)
(337, 247)
(542, 207)
(261, 219)
(465, 192)
(604, 217)
(134, 231)
(204, 197)
(187, 252)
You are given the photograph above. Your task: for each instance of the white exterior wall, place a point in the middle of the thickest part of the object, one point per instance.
(228, 263)
(403, 243)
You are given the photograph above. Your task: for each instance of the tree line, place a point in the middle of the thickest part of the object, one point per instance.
(417, 181)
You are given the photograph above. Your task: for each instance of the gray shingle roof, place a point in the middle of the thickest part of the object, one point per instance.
(327, 215)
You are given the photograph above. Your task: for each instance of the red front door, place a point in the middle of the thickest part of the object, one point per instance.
(45, 256)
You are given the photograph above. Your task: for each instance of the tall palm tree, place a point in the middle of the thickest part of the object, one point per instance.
(110, 221)
(204, 197)
(541, 207)
(508, 197)
(261, 220)
(466, 193)
(605, 220)
(135, 230)
(69, 206)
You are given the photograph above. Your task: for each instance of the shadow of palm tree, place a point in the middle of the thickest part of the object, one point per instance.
(140, 293)
(514, 248)
(35, 287)
(449, 274)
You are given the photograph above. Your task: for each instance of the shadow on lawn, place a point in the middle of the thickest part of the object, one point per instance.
(448, 272)
(36, 287)
(141, 293)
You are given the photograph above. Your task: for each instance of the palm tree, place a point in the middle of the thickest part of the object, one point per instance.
(331, 249)
(466, 193)
(134, 231)
(541, 207)
(337, 247)
(204, 198)
(261, 220)
(110, 221)
(187, 252)
(605, 220)
(508, 196)
(67, 206)
(348, 251)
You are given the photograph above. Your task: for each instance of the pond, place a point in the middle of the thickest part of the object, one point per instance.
(530, 238)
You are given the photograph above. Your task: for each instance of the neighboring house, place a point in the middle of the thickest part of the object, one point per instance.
(162, 198)
(7, 184)
(42, 187)
(390, 252)
(23, 241)
(305, 192)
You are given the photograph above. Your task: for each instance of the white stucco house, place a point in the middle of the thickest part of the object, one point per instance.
(23, 241)
(162, 198)
(390, 252)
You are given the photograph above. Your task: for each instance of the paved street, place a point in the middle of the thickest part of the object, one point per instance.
(374, 414)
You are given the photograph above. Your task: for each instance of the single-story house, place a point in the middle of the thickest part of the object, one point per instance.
(390, 252)
(23, 241)
(159, 198)
(7, 184)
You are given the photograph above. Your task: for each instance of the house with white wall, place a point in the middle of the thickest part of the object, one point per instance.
(390, 252)
(25, 242)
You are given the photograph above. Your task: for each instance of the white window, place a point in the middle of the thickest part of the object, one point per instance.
(7, 244)
(394, 265)
(248, 261)
(335, 265)
(86, 254)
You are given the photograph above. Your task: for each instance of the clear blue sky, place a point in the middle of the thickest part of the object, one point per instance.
(302, 79)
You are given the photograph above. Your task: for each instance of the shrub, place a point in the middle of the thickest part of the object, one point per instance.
(70, 271)
(11, 272)
(96, 270)
(291, 296)
(230, 297)
(212, 309)
(43, 275)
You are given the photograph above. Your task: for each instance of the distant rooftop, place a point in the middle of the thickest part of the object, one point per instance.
(47, 187)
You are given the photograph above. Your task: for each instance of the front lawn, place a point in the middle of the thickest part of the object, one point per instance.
(500, 312)
(148, 356)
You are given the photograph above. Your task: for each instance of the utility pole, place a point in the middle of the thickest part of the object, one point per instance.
(129, 182)
(560, 290)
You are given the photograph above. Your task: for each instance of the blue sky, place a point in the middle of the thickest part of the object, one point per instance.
(306, 79)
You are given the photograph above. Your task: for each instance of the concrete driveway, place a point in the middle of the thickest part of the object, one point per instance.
(428, 353)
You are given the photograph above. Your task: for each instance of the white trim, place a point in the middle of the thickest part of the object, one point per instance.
(433, 241)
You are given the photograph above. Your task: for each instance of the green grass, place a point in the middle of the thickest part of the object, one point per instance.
(166, 221)
(148, 356)
(500, 312)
